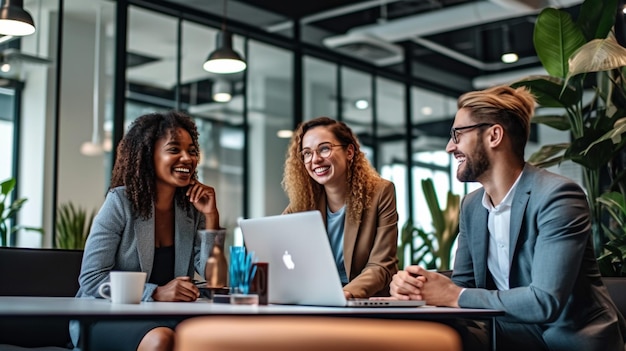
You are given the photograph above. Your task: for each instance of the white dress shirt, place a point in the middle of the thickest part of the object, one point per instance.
(499, 225)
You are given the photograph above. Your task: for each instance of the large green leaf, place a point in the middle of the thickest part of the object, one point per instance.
(596, 157)
(556, 37)
(548, 152)
(557, 122)
(596, 18)
(597, 55)
(549, 91)
(616, 135)
(7, 186)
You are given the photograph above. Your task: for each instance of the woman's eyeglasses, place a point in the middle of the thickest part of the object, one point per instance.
(323, 150)
(454, 132)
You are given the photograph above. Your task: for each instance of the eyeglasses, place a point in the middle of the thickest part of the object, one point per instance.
(454, 132)
(323, 150)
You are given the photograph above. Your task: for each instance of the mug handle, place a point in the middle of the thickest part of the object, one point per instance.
(101, 290)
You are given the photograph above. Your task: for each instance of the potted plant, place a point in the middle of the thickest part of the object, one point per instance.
(576, 55)
(8, 210)
(73, 225)
(432, 250)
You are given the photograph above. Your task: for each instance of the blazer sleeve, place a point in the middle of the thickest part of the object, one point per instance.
(548, 256)
(99, 257)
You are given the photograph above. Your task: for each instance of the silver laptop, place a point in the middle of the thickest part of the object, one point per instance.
(302, 268)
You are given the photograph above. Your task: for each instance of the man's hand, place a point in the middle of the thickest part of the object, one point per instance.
(179, 289)
(436, 288)
(405, 285)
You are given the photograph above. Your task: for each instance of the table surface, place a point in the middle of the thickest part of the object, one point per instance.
(23, 306)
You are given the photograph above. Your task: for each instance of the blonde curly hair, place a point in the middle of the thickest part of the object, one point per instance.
(304, 192)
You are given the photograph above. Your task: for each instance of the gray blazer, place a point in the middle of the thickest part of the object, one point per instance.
(120, 242)
(554, 278)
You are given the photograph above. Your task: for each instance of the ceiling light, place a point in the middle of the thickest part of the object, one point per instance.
(509, 57)
(224, 59)
(361, 104)
(14, 20)
(222, 91)
(427, 110)
(284, 133)
(5, 67)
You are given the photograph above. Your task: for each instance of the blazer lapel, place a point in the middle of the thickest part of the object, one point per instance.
(184, 235)
(518, 207)
(481, 242)
(350, 232)
(144, 234)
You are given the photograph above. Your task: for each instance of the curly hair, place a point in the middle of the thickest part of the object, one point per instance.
(134, 163)
(304, 192)
(512, 108)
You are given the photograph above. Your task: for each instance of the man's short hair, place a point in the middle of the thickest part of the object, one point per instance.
(512, 108)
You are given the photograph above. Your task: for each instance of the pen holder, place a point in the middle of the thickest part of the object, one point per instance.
(241, 271)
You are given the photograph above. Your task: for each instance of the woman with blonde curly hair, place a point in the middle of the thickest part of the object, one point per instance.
(326, 170)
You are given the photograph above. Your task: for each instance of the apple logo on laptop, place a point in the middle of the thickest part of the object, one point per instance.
(288, 261)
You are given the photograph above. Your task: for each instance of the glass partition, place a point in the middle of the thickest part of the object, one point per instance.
(320, 88)
(270, 110)
(356, 110)
(391, 140)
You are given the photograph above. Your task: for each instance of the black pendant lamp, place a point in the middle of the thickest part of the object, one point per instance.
(14, 20)
(224, 59)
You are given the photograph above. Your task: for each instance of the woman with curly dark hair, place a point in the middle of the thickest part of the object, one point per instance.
(326, 170)
(156, 218)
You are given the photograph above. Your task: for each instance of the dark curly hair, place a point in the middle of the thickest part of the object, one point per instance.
(303, 192)
(134, 164)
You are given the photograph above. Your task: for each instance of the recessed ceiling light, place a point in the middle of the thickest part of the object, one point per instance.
(284, 133)
(510, 57)
(427, 110)
(361, 104)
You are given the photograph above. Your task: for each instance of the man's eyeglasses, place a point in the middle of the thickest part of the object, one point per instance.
(454, 132)
(323, 150)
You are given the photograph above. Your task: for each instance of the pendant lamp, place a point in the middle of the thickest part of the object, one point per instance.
(14, 20)
(224, 59)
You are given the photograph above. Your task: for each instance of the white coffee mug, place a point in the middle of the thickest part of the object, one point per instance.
(124, 287)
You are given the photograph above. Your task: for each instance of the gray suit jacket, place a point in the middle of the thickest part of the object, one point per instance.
(120, 242)
(554, 278)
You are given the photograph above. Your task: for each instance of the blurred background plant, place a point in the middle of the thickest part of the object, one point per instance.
(588, 55)
(8, 212)
(432, 250)
(73, 225)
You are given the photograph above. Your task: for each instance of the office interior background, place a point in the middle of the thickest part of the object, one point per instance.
(391, 69)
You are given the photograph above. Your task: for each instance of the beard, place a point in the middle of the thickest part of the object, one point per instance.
(474, 166)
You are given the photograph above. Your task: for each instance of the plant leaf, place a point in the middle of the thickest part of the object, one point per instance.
(556, 122)
(548, 152)
(614, 135)
(596, 18)
(556, 37)
(597, 55)
(549, 91)
(7, 186)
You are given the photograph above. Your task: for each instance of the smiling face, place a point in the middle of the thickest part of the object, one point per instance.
(175, 159)
(332, 170)
(470, 152)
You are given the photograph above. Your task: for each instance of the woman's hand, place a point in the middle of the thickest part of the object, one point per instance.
(179, 289)
(203, 199)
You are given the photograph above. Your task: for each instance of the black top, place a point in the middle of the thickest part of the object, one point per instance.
(163, 267)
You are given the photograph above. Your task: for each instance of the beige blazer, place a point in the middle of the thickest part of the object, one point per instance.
(370, 247)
